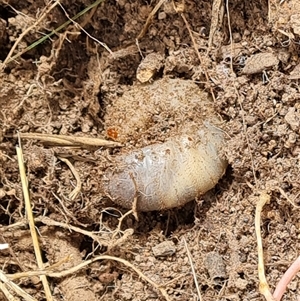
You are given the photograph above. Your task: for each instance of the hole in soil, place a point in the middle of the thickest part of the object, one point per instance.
(44, 257)
(220, 283)
(167, 221)
(101, 100)
(88, 246)
(225, 181)
(6, 12)
(12, 268)
(242, 275)
(5, 219)
(40, 172)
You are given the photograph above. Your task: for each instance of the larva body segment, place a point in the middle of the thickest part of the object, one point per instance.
(169, 174)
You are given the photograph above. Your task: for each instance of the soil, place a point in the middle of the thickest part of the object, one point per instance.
(245, 56)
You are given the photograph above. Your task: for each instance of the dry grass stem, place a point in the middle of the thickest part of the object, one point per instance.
(199, 56)
(19, 39)
(85, 22)
(292, 270)
(263, 285)
(149, 19)
(269, 11)
(47, 36)
(129, 50)
(6, 284)
(193, 269)
(31, 222)
(6, 293)
(73, 141)
(230, 35)
(217, 11)
(94, 235)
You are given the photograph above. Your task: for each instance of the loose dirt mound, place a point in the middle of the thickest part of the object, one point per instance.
(245, 56)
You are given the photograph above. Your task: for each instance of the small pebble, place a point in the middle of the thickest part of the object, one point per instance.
(165, 248)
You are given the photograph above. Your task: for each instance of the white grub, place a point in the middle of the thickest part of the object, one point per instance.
(168, 174)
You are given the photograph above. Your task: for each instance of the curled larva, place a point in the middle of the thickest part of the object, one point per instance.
(170, 174)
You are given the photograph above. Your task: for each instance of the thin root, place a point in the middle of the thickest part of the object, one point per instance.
(73, 194)
(84, 264)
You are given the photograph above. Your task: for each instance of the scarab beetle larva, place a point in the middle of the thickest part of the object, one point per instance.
(170, 174)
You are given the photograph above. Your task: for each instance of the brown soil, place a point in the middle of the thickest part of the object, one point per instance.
(71, 84)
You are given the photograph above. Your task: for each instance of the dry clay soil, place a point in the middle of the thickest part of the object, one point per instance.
(244, 55)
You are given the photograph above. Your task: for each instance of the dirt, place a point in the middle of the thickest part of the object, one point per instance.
(68, 85)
